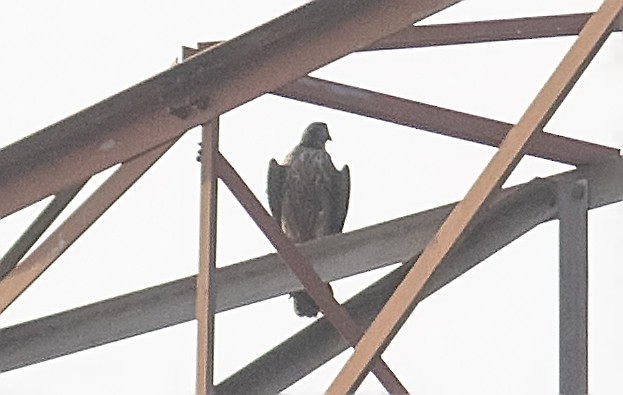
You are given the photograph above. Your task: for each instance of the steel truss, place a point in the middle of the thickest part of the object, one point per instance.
(136, 127)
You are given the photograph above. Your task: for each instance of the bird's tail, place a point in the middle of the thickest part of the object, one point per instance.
(304, 305)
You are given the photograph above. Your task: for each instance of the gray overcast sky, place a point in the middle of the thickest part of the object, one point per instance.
(492, 331)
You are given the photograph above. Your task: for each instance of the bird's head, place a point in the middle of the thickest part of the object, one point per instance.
(315, 135)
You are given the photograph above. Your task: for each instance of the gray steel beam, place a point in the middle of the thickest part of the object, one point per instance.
(506, 220)
(36, 229)
(251, 281)
(573, 288)
(63, 237)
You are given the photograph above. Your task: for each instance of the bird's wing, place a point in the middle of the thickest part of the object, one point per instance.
(342, 196)
(274, 187)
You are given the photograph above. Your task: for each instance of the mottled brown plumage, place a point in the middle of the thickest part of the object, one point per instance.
(308, 196)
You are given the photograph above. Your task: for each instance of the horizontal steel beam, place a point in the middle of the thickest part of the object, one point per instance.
(474, 32)
(195, 91)
(485, 31)
(251, 281)
(439, 120)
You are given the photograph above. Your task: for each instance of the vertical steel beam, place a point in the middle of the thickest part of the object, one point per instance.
(397, 309)
(573, 313)
(319, 291)
(69, 231)
(36, 229)
(205, 294)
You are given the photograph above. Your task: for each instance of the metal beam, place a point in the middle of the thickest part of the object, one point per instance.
(431, 118)
(240, 284)
(485, 31)
(195, 91)
(439, 120)
(264, 277)
(75, 225)
(205, 301)
(516, 214)
(299, 264)
(573, 297)
(401, 303)
(422, 36)
(36, 229)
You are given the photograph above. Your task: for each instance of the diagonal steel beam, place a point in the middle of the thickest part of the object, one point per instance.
(485, 31)
(439, 120)
(401, 303)
(516, 213)
(195, 91)
(76, 224)
(36, 229)
(314, 286)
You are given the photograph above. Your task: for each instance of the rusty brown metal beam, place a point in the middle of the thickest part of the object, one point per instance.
(195, 91)
(399, 306)
(16, 282)
(439, 120)
(315, 287)
(485, 31)
(433, 118)
(205, 296)
(422, 36)
(36, 229)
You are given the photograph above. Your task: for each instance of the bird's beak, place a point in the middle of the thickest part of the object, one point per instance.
(329, 137)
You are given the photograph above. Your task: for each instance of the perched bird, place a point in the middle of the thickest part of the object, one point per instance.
(308, 197)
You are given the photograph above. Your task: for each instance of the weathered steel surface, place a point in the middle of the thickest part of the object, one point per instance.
(195, 91)
(36, 229)
(205, 300)
(486, 31)
(573, 288)
(75, 225)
